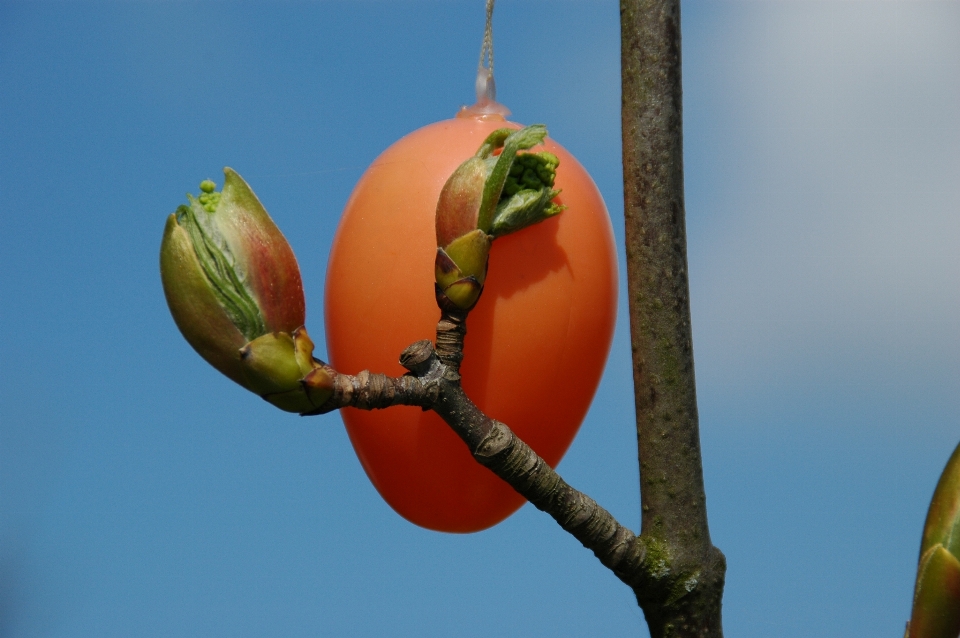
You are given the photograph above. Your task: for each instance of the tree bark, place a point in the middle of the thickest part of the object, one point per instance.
(674, 515)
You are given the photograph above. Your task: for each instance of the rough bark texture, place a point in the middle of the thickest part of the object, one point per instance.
(673, 501)
(434, 383)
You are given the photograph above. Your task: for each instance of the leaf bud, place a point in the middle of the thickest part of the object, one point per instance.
(233, 287)
(488, 196)
(936, 599)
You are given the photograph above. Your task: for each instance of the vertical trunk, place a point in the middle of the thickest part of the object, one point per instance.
(674, 519)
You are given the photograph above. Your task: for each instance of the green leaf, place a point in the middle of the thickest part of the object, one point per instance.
(517, 141)
(525, 208)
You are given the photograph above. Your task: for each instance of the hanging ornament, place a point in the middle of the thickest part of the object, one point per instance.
(537, 337)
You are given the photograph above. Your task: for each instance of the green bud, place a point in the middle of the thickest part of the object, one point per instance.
(271, 364)
(512, 143)
(277, 366)
(525, 208)
(195, 305)
(233, 287)
(527, 194)
(464, 293)
(943, 519)
(488, 196)
(470, 253)
(461, 269)
(936, 600)
(446, 270)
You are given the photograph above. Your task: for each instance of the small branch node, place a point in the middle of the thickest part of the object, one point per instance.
(417, 357)
(495, 442)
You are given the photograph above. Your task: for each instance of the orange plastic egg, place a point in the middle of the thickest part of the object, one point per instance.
(536, 342)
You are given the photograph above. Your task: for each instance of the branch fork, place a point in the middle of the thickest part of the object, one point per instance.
(433, 383)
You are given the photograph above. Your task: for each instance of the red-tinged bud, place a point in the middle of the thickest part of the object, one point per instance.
(488, 196)
(233, 287)
(460, 199)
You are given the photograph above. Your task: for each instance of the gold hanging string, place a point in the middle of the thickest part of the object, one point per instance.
(486, 104)
(486, 87)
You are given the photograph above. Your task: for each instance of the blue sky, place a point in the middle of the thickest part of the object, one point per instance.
(141, 494)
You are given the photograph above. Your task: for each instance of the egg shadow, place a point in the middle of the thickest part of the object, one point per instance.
(517, 261)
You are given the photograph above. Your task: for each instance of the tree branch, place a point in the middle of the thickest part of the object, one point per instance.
(434, 384)
(643, 563)
(671, 476)
(515, 462)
